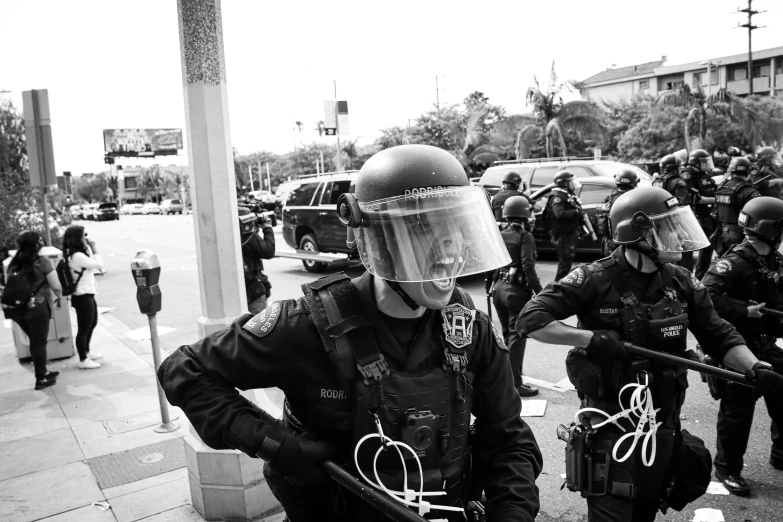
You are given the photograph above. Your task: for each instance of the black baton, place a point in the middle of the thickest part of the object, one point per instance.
(378, 499)
(720, 373)
(770, 311)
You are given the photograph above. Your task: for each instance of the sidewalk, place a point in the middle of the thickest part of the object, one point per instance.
(66, 447)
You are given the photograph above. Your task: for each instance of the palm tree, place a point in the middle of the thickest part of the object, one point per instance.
(555, 117)
(723, 102)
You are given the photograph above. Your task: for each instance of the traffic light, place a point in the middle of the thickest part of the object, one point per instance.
(108, 160)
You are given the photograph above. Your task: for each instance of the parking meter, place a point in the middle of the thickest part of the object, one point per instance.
(146, 273)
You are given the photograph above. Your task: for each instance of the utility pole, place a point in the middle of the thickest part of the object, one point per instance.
(437, 94)
(339, 155)
(751, 28)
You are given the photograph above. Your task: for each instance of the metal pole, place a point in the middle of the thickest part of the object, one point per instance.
(268, 178)
(339, 154)
(250, 173)
(381, 501)
(709, 78)
(750, 50)
(166, 424)
(42, 168)
(720, 373)
(437, 93)
(47, 233)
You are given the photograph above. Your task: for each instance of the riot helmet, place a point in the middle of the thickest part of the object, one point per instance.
(512, 179)
(701, 160)
(566, 179)
(650, 220)
(669, 163)
(770, 157)
(740, 167)
(517, 207)
(419, 223)
(763, 217)
(626, 178)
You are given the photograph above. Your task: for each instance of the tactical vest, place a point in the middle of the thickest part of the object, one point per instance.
(769, 282)
(662, 181)
(429, 412)
(564, 225)
(660, 326)
(727, 200)
(602, 213)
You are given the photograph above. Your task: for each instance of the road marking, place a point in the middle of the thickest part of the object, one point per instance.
(544, 384)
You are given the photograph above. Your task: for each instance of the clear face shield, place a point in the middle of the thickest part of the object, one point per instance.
(430, 235)
(675, 231)
(776, 161)
(706, 164)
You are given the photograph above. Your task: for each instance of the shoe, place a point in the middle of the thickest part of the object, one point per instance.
(51, 375)
(734, 483)
(525, 390)
(94, 355)
(40, 384)
(88, 364)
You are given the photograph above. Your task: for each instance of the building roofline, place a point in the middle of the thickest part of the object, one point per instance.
(644, 76)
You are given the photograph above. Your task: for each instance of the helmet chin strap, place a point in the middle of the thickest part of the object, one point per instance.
(643, 247)
(407, 299)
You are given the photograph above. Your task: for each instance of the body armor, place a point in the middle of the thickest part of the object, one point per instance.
(727, 200)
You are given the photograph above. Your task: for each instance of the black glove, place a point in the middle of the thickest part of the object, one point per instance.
(298, 456)
(765, 379)
(606, 345)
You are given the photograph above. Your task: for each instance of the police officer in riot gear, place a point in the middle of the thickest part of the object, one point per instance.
(511, 183)
(564, 212)
(637, 295)
(671, 181)
(625, 179)
(697, 174)
(399, 353)
(765, 165)
(730, 197)
(745, 280)
(516, 283)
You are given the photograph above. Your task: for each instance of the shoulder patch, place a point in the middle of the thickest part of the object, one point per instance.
(556, 200)
(723, 266)
(263, 323)
(458, 325)
(696, 283)
(498, 338)
(686, 175)
(575, 278)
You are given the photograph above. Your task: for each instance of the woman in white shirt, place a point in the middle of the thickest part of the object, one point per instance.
(82, 258)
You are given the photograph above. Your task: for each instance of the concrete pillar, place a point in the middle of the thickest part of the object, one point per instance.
(225, 485)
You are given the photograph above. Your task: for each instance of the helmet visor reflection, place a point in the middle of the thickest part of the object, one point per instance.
(430, 235)
(676, 231)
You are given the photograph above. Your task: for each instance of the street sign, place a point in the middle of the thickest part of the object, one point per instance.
(330, 131)
(330, 115)
(38, 131)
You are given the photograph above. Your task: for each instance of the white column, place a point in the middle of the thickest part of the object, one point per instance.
(212, 165)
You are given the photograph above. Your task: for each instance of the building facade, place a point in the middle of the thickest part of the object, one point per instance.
(651, 78)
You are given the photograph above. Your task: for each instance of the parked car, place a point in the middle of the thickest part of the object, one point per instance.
(310, 220)
(150, 208)
(136, 209)
(592, 192)
(76, 212)
(125, 209)
(107, 212)
(89, 211)
(171, 206)
(281, 195)
(538, 173)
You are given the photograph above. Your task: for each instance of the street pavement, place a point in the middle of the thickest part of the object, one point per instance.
(48, 437)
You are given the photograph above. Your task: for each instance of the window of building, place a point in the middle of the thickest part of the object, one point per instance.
(714, 76)
(130, 183)
(644, 84)
(675, 84)
(740, 73)
(697, 79)
(779, 65)
(761, 71)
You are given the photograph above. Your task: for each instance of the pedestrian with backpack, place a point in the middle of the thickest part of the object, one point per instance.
(25, 300)
(81, 257)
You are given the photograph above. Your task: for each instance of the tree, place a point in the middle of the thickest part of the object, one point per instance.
(722, 103)
(657, 134)
(555, 117)
(392, 137)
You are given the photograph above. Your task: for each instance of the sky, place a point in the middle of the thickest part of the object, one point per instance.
(109, 64)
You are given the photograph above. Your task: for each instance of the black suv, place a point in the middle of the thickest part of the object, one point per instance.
(538, 173)
(310, 216)
(107, 211)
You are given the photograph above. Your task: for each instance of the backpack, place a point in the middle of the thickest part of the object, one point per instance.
(18, 295)
(66, 277)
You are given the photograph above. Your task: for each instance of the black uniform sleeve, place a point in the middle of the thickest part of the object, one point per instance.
(560, 211)
(746, 194)
(263, 248)
(720, 283)
(559, 300)
(528, 256)
(202, 378)
(506, 447)
(715, 335)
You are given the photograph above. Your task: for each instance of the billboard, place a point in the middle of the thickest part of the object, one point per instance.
(141, 142)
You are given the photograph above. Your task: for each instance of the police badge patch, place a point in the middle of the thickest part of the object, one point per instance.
(264, 321)
(723, 266)
(556, 200)
(458, 325)
(696, 283)
(575, 278)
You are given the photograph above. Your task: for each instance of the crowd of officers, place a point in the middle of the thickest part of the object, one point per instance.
(402, 356)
